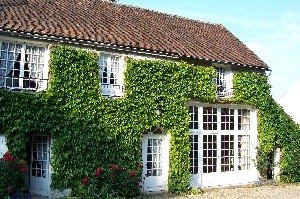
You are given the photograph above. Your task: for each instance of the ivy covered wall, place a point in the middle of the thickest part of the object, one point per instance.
(275, 127)
(88, 130)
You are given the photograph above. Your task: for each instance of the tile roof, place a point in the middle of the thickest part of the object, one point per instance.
(127, 26)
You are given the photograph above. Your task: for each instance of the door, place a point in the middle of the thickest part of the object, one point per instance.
(39, 165)
(155, 157)
(222, 146)
(3, 147)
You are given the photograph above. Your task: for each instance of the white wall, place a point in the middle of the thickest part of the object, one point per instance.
(290, 102)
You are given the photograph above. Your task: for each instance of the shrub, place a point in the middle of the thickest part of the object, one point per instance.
(12, 176)
(111, 182)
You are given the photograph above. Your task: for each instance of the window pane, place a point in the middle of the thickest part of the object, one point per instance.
(209, 118)
(227, 153)
(244, 152)
(33, 67)
(194, 154)
(110, 75)
(209, 153)
(243, 119)
(227, 119)
(10, 65)
(194, 123)
(220, 81)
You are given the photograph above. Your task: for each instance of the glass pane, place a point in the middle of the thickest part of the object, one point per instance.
(33, 172)
(44, 173)
(154, 172)
(44, 165)
(149, 172)
(40, 149)
(38, 173)
(45, 147)
(149, 157)
(45, 156)
(149, 165)
(4, 46)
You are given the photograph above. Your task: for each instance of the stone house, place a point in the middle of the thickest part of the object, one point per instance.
(223, 136)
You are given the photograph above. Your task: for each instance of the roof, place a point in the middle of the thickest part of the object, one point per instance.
(125, 26)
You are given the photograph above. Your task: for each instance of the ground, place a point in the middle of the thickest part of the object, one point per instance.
(282, 191)
(286, 191)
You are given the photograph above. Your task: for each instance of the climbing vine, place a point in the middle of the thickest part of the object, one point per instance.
(275, 127)
(89, 130)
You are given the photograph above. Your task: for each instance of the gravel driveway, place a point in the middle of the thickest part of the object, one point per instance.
(263, 192)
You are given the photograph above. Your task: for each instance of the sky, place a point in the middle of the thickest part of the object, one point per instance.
(270, 28)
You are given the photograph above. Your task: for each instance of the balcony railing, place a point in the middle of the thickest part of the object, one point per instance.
(223, 92)
(112, 90)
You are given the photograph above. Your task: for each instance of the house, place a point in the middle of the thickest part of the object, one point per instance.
(289, 102)
(223, 136)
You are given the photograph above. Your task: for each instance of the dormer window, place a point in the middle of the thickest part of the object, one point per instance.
(224, 81)
(111, 75)
(23, 67)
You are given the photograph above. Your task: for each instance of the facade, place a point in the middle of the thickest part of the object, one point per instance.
(289, 102)
(223, 137)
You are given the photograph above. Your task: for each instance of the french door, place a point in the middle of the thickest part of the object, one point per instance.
(3, 147)
(226, 160)
(155, 157)
(222, 145)
(39, 165)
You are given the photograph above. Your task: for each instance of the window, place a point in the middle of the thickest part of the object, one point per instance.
(22, 66)
(220, 139)
(194, 139)
(193, 111)
(243, 119)
(244, 152)
(227, 119)
(227, 153)
(209, 118)
(221, 83)
(110, 68)
(194, 154)
(111, 75)
(209, 153)
(224, 81)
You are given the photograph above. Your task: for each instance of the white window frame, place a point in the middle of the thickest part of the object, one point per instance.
(240, 163)
(224, 80)
(41, 83)
(115, 89)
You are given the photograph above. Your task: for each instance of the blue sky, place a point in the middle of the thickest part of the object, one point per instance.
(270, 28)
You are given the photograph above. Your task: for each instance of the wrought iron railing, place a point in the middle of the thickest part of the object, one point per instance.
(112, 90)
(223, 92)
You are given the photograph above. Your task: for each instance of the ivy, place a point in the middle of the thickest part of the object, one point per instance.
(89, 130)
(275, 127)
(95, 131)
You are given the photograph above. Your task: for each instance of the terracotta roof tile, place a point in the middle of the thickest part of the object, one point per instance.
(111, 23)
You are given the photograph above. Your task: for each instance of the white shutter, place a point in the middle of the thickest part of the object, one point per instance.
(228, 78)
